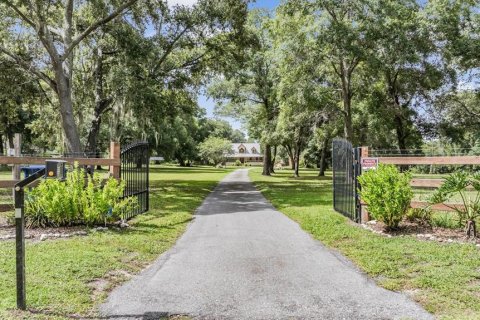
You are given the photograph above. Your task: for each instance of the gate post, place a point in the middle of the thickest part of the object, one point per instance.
(363, 213)
(17, 152)
(357, 171)
(115, 154)
(364, 152)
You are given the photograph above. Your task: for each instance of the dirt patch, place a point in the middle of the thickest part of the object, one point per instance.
(422, 232)
(98, 286)
(102, 286)
(3, 220)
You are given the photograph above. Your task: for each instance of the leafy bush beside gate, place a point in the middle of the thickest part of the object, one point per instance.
(387, 193)
(55, 203)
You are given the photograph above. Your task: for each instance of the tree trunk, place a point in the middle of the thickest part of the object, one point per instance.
(101, 105)
(345, 75)
(348, 126)
(1, 144)
(323, 157)
(401, 134)
(182, 162)
(91, 147)
(297, 161)
(11, 145)
(272, 163)
(64, 93)
(400, 129)
(471, 229)
(290, 156)
(323, 162)
(267, 155)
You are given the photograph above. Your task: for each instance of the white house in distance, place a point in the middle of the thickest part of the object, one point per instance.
(245, 152)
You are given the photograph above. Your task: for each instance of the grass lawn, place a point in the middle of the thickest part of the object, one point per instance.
(71, 277)
(5, 175)
(444, 278)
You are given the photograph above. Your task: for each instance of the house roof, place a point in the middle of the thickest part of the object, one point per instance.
(250, 149)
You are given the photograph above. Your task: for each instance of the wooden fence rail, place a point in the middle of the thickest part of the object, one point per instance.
(424, 182)
(448, 160)
(41, 160)
(113, 162)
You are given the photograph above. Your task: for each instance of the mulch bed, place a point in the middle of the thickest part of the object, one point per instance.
(422, 232)
(7, 231)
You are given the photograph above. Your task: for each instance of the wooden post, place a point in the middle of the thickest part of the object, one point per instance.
(17, 152)
(364, 216)
(17, 145)
(115, 154)
(364, 152)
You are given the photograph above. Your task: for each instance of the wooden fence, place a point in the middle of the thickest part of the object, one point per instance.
(113, 162)
(427, 182)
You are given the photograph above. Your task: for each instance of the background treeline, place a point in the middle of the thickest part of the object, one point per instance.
(396, 75)
(75, 75)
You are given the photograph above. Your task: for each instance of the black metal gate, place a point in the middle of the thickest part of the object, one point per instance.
(134, 171)
(346, 168)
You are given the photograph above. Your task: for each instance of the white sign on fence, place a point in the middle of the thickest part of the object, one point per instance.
(369, 163)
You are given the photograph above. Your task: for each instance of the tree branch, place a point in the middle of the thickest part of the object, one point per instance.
(353, 65)
(30, 68)
(335, 69)
(21, 14)
(189, 63)
(56, 31)
(97, 25)
(169, 49)
(466, 109)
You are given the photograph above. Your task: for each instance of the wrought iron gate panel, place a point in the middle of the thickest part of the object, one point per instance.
(346, 168)
(134, 171)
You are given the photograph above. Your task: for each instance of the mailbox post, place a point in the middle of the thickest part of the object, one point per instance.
(53, 169)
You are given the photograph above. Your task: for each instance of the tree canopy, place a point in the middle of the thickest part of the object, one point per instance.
(390, 74)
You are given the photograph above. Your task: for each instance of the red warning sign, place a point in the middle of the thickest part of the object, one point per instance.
(369, 163)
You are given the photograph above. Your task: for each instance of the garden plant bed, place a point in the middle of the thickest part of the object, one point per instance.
(41, 234)
(422, 232)
(7, 230)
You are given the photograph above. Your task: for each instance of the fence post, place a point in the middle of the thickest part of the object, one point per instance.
(17, 152)
(357, 171)
(364, 152)
(115, 154)
(364, 216)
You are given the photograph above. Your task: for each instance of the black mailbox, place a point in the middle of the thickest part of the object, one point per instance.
(55, 169)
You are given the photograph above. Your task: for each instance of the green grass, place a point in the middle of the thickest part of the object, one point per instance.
(5, 175)
(444, 278)
(60, 272)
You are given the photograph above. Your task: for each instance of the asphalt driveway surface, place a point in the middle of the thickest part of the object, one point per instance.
(242, 259)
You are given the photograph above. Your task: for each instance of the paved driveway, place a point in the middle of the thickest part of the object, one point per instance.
(242, 259)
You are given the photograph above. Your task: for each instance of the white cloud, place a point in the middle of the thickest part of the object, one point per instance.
(187, 3)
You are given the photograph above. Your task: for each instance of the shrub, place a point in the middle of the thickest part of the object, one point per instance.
(387, 193)
(238, 163)
(458, 183)
(74, 201)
